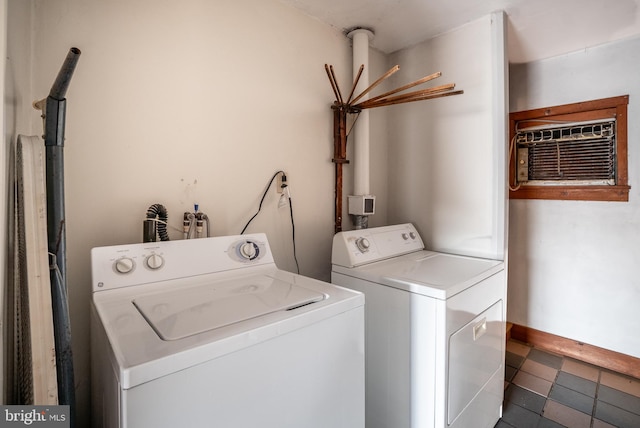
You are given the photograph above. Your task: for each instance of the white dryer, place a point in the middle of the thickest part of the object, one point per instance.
(434, 329)
(210, 333)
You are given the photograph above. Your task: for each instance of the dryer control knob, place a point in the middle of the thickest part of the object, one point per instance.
(124, 265)
(405, 236)
(412, 235)
(248, 250)
(154, 261)
(363, 244)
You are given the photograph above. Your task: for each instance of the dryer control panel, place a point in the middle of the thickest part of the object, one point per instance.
(357, 247)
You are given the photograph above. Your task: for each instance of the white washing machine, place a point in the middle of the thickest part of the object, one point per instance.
(210, 333)
(434, 329)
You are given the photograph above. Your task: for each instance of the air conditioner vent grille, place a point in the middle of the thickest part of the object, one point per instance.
(582, 152)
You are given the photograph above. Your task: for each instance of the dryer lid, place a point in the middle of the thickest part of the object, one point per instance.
(443, 270)
(185, 312)
(437, 275)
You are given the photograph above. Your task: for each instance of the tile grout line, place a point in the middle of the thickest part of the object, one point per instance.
(595, 399)
(548, 397)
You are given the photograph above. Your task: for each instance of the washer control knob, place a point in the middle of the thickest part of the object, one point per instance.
(405, 236)
(412, 235)
(154, 261)
(363, 244)
(124, 265)
(248, 250)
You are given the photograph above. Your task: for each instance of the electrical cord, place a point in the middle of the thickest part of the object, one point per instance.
(293, 228)
(264, 195)
(511, 146)
(293, 235)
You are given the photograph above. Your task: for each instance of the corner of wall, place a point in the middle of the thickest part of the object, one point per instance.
(500, 85)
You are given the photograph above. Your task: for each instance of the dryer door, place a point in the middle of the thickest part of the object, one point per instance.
(475, 356)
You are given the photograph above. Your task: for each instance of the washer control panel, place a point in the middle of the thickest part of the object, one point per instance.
(134, 264)
(356, 247)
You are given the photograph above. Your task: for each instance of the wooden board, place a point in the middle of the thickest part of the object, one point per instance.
(36, 285)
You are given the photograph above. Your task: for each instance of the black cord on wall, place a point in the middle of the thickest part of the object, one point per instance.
(293, 227)
(293, 235)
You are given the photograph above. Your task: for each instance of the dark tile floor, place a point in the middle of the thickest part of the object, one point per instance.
(543, 390)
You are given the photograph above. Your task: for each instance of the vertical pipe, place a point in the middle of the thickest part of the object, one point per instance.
(361, 37)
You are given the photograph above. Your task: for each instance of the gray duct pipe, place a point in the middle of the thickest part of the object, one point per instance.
(54, 149)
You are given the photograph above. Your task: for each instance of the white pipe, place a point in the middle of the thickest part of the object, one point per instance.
(361, 38)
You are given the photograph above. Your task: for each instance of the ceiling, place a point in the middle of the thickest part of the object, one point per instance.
(536, 28)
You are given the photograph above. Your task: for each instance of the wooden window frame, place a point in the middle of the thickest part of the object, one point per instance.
(606, 108)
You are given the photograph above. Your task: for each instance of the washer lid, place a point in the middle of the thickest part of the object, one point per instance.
(185, 312)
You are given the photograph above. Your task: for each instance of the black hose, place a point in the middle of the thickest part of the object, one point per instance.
(61, 84)
(160, 212)
(55, 113)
